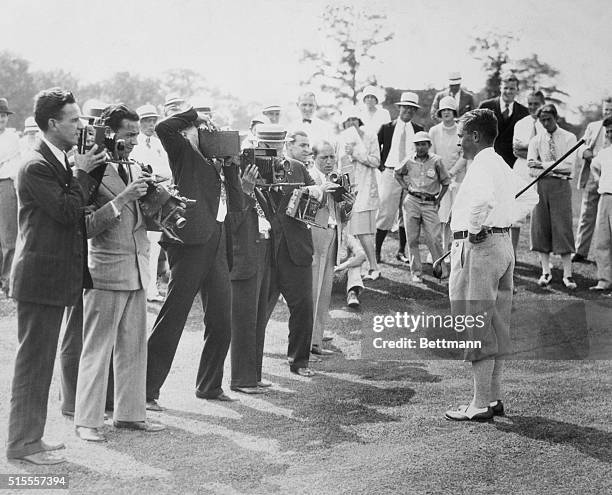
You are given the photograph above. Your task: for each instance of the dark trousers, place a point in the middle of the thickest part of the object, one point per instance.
(294, 282)
(70, 354)
(193, 268)
(250, 315)
(38, 328)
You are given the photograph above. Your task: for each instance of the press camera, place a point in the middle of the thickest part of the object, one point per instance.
(271, 168)
(344, 181)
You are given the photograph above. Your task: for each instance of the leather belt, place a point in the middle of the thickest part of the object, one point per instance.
(463, 234)
(422, 196)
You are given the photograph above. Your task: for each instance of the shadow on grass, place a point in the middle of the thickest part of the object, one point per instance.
(589, 441)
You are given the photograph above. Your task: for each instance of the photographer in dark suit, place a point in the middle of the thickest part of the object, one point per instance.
(201, 264)
(48, 267)
(508, 112)
(292, 252)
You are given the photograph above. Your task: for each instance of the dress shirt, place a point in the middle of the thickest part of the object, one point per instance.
(9, 154)
(393, 160)
(502, 106)
(424, 176)
(539, 149)
(317, 130)
(57, 153)
(457, 97)
(320, 178)
(525, 129)
(601, 166)
(486, 196)
(149, 151)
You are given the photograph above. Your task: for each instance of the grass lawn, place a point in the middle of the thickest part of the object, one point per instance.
(363, 425)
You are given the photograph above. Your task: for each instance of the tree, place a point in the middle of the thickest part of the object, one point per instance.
(492, 51)
(17, 86)
(352, 35)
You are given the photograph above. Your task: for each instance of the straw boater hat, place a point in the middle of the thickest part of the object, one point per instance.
(447, 103)
(4, 106)
(454, 78)
(30, 125)
(421, 136)
(409, 99)
(271, 133)
(147, 110)
(201, 104)
(271, 108)
(173, 99)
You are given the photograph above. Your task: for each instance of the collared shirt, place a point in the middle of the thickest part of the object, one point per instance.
(503, 104)
(316, 129)
(59, 154)
(9, 154)
(540, 149)
(486, 196)
(525, 129)
(601, 166)
(394, 159)
(149, 151)
(423, 176)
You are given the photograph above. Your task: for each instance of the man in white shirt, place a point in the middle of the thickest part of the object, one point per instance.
(524, 130)
(595, 137)
(149, 151)
(551, 221)
(9, 163)
(601, 168)
(395, 140)
(482, 261)
(317, 129)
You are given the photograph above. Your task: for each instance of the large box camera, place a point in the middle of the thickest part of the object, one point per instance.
(304, 207)
(219, 144)
(271, 168)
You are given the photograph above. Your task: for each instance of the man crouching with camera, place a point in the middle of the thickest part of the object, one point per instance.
(114, 310)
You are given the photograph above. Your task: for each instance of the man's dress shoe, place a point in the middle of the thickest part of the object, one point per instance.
(153, 405)
(89, 434)
(43, 458)
(48, 447)
(249, 390)
(468, 413)
(222, 397)
(147, 426)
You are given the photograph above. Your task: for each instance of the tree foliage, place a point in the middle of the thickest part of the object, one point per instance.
(352, 35)
(493, 51)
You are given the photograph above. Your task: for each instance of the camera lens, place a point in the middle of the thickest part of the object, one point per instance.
(180, 222)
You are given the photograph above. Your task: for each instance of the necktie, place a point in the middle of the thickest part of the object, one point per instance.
(148, 141)
(402, 145)
(307, 121)
(506, 112)
(123, 173)
(534, 129)
(551, 148)
(68, 169)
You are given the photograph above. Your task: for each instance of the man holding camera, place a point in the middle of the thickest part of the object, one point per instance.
(48, 268)
(200, 262)
(115, 308)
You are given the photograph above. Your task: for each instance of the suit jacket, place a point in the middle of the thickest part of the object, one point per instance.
(118, 246)
(297, 234)
(505, 128)
(385, 136)
(198, 178)
(466, 102)
(49, 259)
(595, 137)
(245, 237)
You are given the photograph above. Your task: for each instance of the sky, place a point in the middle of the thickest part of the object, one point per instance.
(251, 48)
